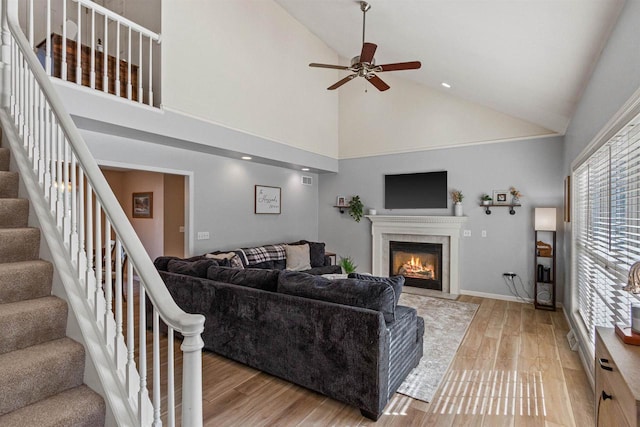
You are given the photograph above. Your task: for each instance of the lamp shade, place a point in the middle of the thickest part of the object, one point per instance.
(545, 219)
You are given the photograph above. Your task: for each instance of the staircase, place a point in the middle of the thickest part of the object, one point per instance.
(41, 370)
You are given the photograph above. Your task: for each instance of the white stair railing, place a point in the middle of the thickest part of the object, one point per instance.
(116, 54)
(87, 221)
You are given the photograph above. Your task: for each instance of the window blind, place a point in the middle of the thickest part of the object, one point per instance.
(606, 228)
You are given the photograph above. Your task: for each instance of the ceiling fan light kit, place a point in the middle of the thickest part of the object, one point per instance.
(364, 65)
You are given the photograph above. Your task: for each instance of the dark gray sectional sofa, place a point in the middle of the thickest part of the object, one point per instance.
(347, 339)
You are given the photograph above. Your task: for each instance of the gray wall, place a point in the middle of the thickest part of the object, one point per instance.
(223, 199)
(533, 166)
(615, 78)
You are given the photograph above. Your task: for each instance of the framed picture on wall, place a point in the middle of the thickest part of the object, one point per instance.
(267, 199)
(142, 205)
(500, 197)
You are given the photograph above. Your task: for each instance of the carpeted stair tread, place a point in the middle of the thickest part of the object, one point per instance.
(8, 184)
(4, 159)
(31, 322)
(14, 213)
(38, 372)
(25, 280)
(19, 244)
(78, 407)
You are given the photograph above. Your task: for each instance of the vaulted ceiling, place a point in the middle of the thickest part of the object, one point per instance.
(530, 59)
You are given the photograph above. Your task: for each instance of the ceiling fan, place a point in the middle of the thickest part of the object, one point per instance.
(364, 65)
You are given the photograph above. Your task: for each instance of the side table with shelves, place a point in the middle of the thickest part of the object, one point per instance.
(545, 270)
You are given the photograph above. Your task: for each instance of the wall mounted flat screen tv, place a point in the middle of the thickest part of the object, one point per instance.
(426, 190)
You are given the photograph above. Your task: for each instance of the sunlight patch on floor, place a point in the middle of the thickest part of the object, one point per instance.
(495, 392)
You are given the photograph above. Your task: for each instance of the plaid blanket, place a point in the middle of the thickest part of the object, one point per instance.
(264, 253)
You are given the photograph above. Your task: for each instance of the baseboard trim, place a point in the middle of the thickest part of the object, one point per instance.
(509, 298)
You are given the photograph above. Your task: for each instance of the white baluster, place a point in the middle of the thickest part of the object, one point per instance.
(117, 70)
(98, 258)
(59, 192)
(47, 155)
(171, 399)
(140, 67)
(157, 422)
(73, 188)
(47, 60)
(53, 197)
(131, 364)
(31, 24)
(92, 74)
(82, 256)
(66, 220)
(105, 56)
(63, 69)
(108, 277)
(129, 91)
(150, 72)
(143, 393)
(79, 47)
(118, 285)
(90, 255)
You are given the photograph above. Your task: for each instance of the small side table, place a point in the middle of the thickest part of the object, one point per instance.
(331, 255)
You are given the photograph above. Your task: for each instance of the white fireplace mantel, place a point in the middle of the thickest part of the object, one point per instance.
(417, 228)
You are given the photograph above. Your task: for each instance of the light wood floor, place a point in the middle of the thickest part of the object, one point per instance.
(513, 368)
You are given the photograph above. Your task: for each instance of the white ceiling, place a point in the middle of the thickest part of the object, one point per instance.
(527, 58)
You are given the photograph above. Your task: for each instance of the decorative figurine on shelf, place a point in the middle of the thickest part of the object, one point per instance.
(630, 334)
(457, 197)
(515, 196)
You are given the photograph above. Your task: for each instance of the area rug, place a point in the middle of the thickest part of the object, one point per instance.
(445, 324)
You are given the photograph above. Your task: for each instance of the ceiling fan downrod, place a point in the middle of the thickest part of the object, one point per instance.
(364, 7)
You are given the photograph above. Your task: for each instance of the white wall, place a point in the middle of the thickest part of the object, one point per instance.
(223, 192)
(533, 166)
(244, 65)
(414, 117)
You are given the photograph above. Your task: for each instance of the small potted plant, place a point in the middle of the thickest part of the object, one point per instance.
(457, 196)
(347, 264)
(515, 196)
(486, 199)
(356, 208)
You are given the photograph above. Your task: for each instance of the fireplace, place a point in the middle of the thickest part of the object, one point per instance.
(419, 263)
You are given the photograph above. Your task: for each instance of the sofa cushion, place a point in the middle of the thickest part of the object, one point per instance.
(397, 282)
(161, 262)
(316, 252)
(378, 296)
(190, 268)
(298, 257)
(228, 259)
(266, 280)
(280, 264)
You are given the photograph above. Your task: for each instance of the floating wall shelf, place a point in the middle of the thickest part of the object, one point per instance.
(487, 208)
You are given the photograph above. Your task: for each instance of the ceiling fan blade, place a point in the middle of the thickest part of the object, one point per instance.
(414, 65)
(368, 50)
(336, 67)
(341, 82)
(378, 83)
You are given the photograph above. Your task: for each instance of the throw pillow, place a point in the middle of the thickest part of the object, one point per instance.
(316, 252)
(298, 257)
(266, 280)
(190, 268)
(162, 261)
(396, 282)
(230, 258)
(378, 296)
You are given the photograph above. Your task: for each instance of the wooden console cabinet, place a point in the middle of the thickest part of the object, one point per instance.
(617, 372)
(71, 48)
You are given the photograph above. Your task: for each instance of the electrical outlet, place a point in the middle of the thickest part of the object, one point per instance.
(203, 235)
(466, 233)
(484, 233)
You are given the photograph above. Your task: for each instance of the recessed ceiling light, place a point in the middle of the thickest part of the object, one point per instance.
(305, 169)
(246, 158)
(445, 84)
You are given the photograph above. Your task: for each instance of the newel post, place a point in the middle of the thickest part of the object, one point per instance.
(5, 57)
(192, 379)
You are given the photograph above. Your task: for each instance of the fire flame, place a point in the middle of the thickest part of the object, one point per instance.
(414, 267)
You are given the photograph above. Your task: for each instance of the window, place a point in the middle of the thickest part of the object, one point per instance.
(606, 229)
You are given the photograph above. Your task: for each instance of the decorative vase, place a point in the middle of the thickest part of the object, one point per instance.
(457, 209)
